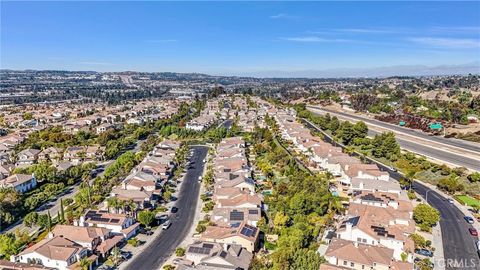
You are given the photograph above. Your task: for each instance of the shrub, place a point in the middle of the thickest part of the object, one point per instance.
(180, 252)
(133, 242)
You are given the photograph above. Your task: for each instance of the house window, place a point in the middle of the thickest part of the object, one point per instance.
(359, 239)
(363, 266)
(344, 262)
(352, 264)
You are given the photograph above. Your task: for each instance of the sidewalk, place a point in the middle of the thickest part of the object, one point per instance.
(199, 215)
(147, 239)
(462, 208)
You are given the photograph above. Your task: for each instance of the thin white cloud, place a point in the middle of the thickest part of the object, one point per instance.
(458, 29)
(283, 16)
(315, 39)
(161, 40)
(366, 31)
(93, 63)
(452, 43)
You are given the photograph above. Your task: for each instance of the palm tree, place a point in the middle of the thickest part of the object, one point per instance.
(112, 202)
(115, 256)
(131, 206)
(84, 264)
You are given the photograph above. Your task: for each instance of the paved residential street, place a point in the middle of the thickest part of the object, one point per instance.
(448, 150)
(165, 243)
(459, 246)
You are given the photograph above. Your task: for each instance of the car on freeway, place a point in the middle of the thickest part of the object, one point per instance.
(424, 252)
(174, 210)
(468, 219)
(473, 231)
(166, 224)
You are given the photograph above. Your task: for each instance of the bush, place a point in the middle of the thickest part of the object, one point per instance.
(201, 228)
(133, 242)
(180, 252)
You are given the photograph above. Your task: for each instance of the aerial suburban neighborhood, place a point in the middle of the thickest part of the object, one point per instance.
(231, 135)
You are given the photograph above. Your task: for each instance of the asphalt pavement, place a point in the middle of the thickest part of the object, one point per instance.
(449, 141)
(458, 245)
(159, 250)
(434, 151)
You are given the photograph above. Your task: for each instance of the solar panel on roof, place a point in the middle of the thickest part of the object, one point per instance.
(235, 215)
(205, 245)
(114, 220)
(199, 250)
(253, 212)
(99, 219)
(223, 254)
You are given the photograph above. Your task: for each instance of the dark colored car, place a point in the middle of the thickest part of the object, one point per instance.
(174, 209)
(424, 252)
(145, 231)
(473, 232)
(468, 219)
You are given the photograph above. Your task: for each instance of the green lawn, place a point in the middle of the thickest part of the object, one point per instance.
(468, 200)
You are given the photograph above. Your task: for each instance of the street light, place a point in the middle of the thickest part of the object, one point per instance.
(426, 195)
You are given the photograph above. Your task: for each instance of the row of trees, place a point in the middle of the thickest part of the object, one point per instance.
(299, 207)
(382, 145)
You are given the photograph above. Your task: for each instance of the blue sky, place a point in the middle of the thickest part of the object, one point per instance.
(237, 37)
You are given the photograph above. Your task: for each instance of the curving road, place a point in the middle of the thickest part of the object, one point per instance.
(165, 243)
(458, 245)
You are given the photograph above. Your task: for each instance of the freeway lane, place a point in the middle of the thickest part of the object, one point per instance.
(449, 141)
(458, 245)
(430, 151)
(435, 153)
(158, 251)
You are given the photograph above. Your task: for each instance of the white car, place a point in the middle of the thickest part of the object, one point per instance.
(166, 224)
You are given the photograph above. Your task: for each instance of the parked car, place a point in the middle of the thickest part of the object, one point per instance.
(450, 201)
(145, 231)
(174, 210)
(424, 252)
(166, 224)
(468, 219)
(473, 231)
(126, 255)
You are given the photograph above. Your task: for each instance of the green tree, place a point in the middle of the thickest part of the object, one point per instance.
(30, 219)
(426, 216)
(360, 130)
(146, 217)
(62, 211)
(385, 145)
(474, 177)
(84, 264)
(280, 220)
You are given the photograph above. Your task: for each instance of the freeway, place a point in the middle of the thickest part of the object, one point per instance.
(167, 241)
(447, 150)
(459, 246)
